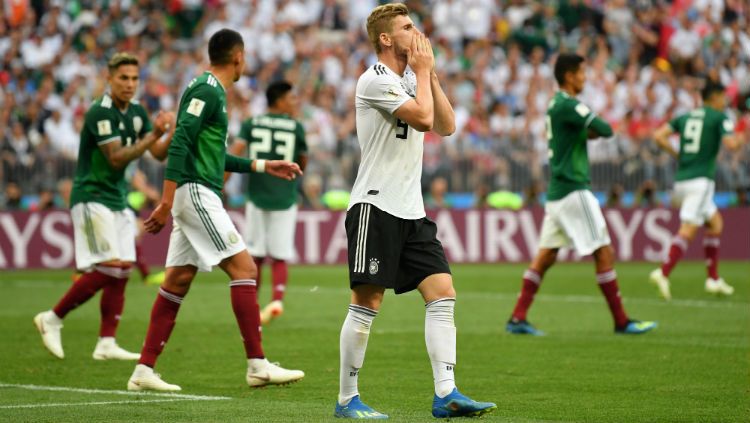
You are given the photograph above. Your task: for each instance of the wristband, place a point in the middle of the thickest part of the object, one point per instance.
(260, 166)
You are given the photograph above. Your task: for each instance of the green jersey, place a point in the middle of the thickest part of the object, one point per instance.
(701, 132)
(273, 137)
(198, 149)
(568, 122)
(95, 180)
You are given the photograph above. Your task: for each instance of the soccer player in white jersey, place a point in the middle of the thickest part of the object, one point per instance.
(392, 244)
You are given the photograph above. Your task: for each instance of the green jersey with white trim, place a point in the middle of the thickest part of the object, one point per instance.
(701, 132)
(95, 180)
(199, 146)
(273, 137)
(567, 132)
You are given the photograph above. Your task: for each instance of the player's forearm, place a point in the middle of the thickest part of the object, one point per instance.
(425, 118)
(120, 158)
(167, 193)
(160, 148)
(445, 118)
(663, 143)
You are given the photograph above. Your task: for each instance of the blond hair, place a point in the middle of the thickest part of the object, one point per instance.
(120, 59)
(381, 20)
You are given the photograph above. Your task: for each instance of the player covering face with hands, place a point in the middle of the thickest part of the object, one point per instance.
(391, 242)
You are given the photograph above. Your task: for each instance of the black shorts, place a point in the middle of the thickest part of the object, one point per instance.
(388, 251)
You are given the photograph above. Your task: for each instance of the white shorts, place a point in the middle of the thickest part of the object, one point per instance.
(575, 220)
(202, 234)
(697, 198)
(270, 233)
(101, 234)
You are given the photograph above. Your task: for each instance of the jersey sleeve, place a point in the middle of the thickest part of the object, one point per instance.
(147, 125)
(102, 124)
(197, 106)
(676, 123)
(385, 93)
(579, 115)
(301, 141)
(246, 130)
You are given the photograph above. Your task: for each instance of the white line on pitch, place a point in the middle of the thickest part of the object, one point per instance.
(113, 392)
(561, 298)
(73, 404)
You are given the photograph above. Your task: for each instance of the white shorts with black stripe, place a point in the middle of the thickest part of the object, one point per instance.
(101, 234)
(203, 233)
(574, 221)
(696, 197)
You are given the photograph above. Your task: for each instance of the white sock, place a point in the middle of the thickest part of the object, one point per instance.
(440, 337)
(352, 344)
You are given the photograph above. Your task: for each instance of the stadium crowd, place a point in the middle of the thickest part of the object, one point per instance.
(647, 61)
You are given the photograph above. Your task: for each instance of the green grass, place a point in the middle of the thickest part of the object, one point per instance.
(693, 368)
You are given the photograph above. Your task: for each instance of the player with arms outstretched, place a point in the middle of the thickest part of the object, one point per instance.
(203, 235)
(392, 244)
(271, 210)
(116, 131)
(572, 216)
(702, 132)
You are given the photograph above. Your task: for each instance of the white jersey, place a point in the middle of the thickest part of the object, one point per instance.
(390, 172)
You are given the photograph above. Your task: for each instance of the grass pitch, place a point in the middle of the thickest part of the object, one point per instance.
(694, 368)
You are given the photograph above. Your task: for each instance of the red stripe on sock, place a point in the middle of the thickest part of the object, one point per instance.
(247, 313)
(163, 317)
(81, 291)
(280, 276)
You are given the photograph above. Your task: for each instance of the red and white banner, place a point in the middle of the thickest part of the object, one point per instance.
(45, 239)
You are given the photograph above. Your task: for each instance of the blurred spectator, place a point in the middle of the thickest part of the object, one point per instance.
(646, 195)
(646, 61)
(436, 199)
(12, 196)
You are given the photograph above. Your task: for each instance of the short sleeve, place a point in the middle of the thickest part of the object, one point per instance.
(147, 126)
(245, 130)
(102, 124)
(676, 124)
(577, 114)
(385, 93)
(301, 141)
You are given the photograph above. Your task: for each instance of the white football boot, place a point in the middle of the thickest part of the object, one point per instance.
(144, 379)
(107, 349)
(261, 372)
(49, 325)
(718, 287)
(662, 282)
(271, 311)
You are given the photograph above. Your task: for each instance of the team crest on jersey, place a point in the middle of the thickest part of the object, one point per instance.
(137, 124)
(233, 238)
(374, 266)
